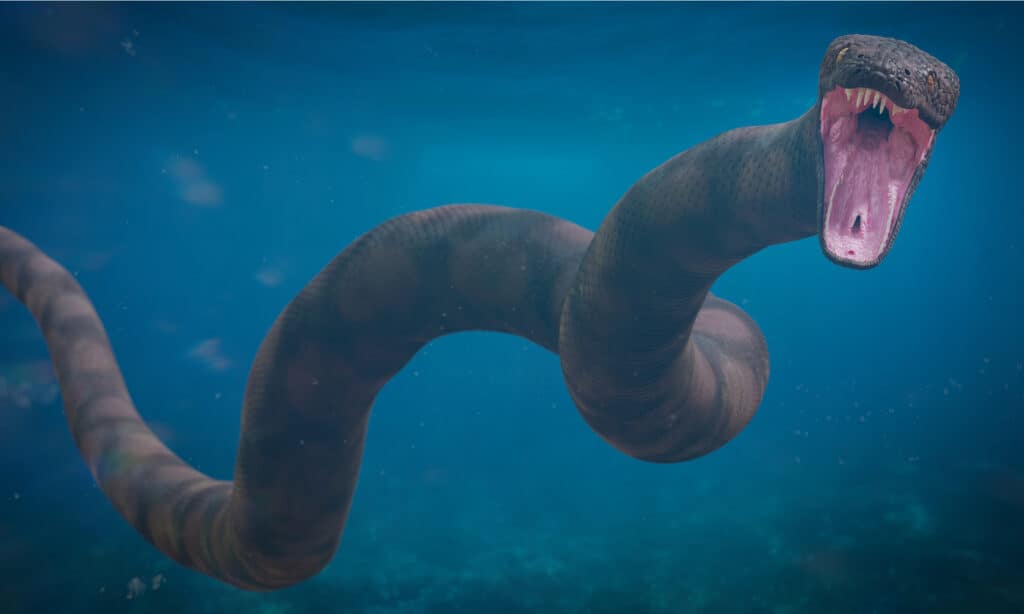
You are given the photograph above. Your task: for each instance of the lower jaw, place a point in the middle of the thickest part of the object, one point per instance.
(842, 258)
(845, 245)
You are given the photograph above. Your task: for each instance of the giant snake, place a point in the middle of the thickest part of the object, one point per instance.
(657, 365)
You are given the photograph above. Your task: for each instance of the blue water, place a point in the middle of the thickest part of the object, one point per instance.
(196, 165)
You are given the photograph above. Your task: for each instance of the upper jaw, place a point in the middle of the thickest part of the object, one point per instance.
(893, 91)
(907, 75)
(862, 98)
(873, 81)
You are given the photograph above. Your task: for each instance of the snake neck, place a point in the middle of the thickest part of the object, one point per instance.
(634, 352)
(702, 211)
(726, 199)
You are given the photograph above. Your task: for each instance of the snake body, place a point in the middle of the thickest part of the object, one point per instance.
(657, 365)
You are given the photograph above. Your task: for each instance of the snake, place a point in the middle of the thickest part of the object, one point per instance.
(657, 365)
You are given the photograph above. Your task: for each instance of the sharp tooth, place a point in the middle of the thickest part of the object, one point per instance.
(860, 96)
(848, 93)
(881, 107)
(875, 102)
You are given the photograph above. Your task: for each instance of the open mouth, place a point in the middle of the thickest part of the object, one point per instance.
(872, 148)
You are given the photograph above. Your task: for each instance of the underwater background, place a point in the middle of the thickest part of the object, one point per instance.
(195, 165)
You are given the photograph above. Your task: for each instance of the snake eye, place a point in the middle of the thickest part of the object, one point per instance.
(931, 81)
(842, 52)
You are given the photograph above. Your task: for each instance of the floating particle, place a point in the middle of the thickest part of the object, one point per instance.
(371, 147)
(136, 588)
(209, 353)
(194, 186)
(270, 276)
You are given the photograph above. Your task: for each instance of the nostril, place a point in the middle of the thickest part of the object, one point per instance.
(856, 226)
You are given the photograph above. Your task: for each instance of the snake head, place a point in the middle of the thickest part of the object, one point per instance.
(881, 102)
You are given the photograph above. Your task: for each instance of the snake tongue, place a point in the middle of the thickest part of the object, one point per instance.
(872, 148)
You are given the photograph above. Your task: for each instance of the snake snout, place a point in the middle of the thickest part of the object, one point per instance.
(908, 76)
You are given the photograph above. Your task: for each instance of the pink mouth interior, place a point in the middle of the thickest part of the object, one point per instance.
(870, 157)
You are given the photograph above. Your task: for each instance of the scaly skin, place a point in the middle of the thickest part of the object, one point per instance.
(657, 366)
